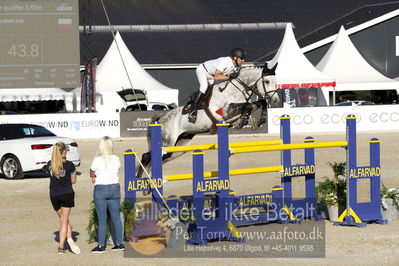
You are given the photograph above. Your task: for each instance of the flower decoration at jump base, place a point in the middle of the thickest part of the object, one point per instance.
(332, 192)
(389, 193)
(330, 199)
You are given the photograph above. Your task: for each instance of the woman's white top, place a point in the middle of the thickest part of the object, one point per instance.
(224, 64)
(106, 174)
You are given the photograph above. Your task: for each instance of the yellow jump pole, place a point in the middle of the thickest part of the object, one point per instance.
(244, 171)
(204, 147)
(294, 146)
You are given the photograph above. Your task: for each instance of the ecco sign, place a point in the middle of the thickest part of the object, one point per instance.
(324, 119)
(384, 117)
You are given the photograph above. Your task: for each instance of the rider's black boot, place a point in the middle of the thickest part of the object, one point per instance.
(192, 117)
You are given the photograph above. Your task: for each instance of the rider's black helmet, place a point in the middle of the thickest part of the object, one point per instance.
(238, 52)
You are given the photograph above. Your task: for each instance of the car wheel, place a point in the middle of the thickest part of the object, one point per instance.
(11, 167)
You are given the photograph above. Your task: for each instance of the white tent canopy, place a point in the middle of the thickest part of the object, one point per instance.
(294, 70)
(111, 75)
(33, 94)
(350, 70)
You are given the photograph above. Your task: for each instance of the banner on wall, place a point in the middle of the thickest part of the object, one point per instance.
(332, 118)
(78, 126)
(88, 91)
(289, 96)
(135, 124)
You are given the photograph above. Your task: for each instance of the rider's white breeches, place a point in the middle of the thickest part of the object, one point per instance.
(204, 79)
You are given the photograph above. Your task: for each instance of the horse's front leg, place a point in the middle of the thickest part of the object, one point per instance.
(263, 116)
(238, 114)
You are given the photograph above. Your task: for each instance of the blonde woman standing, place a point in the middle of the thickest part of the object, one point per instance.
(104, 174)
(62, 196)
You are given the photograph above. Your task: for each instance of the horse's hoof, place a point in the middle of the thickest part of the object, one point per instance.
(242, 124)
(254, 126)
(260, 123)
(238, 124)
(235, 125)
(213, 130)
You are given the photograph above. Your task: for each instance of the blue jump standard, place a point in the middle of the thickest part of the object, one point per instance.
(215, 194)
(361, 213)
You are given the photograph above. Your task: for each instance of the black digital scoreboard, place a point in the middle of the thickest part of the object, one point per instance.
(39, 44)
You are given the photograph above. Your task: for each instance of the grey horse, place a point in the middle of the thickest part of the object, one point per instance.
(230, 102)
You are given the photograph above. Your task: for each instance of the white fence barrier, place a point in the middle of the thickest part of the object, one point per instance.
(304, 119)
(77, 125)
(329, 119)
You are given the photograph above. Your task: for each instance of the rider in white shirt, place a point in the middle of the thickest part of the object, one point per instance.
(220, 69)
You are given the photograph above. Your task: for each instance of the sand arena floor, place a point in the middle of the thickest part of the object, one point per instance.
(28, 223)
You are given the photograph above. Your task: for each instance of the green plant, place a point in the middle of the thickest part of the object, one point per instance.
(92, 227)
(130, 218)
(185, 215)
(338, 168)
(164, 219)
(125, 208)
(93, 224)
(333, 192)
(341, 192)
(389, 193)
(327, 192)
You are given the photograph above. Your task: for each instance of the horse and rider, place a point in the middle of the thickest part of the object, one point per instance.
(216, 70)
(235, 93)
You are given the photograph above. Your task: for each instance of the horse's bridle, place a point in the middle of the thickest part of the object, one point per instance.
(253, 90)
(269, 94)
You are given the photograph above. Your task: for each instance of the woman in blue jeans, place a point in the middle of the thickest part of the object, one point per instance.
(104, 174)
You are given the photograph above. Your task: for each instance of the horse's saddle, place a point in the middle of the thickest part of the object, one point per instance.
(203, 104)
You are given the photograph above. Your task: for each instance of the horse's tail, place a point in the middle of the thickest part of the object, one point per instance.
(145, 158)
(155, 117)
(145, 163)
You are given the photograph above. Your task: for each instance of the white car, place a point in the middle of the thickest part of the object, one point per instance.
(136, 100)
(149, 106)
(351, 103)
(26, 147)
